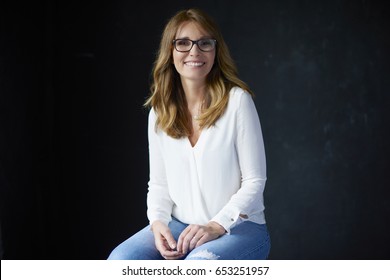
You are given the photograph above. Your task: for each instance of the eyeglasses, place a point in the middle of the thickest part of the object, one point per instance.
(185, 45)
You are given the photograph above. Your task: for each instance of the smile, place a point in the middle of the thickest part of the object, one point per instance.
(194, 63)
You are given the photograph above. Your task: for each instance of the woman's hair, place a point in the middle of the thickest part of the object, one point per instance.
(166, 92)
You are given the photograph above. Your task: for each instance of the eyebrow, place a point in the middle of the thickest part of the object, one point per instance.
(203, 37)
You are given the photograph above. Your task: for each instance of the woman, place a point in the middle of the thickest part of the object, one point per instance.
(207, 159)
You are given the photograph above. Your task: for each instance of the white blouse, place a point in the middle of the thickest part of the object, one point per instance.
(219, 178)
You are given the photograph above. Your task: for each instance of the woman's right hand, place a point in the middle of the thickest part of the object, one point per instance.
(165, 243)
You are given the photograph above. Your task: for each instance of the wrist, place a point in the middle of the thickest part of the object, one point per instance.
(216, 227)
(155, 224)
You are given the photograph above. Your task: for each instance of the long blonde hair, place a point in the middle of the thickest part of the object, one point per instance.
(166, 92)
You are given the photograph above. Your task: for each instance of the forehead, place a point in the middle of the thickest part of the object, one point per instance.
(191, 30)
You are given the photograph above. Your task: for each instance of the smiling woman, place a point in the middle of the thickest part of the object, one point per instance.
(193, 63)
(207, 158)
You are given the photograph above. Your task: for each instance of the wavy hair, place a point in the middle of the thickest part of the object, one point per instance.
(166, 92)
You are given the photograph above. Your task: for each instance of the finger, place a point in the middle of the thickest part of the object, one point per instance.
(171, 255)
(181, 239)
(166, 251)
(197, 237)
(161, 245)
(193, 243)
(166, 233)
(188, 237)
(173, 258)
(205, 238)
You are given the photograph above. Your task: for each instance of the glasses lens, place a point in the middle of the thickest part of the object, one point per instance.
(206, 45)
(183, 45)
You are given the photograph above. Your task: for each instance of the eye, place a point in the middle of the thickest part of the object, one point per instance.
(205, 43)
(183, 43)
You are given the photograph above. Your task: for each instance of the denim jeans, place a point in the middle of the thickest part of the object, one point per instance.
(246, 241)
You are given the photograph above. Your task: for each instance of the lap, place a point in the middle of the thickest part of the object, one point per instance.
(247, 240)
(141, 246)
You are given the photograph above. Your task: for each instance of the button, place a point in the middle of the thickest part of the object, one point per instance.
(231, 219)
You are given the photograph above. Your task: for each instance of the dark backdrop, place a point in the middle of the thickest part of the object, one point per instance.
(73, 158)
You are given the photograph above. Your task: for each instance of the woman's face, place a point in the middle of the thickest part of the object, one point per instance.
(194, 65)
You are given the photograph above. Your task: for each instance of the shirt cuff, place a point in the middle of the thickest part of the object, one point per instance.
(227, 218)
(164, 220)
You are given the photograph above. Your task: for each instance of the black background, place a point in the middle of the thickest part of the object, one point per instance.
(74, 158)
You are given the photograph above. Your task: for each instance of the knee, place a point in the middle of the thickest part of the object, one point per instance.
(134, 254)
(203, 254)
(117, 254)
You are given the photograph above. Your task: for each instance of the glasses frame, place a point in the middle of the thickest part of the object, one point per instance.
(194, 42)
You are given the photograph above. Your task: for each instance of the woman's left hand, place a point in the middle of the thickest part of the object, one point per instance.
(196, 235)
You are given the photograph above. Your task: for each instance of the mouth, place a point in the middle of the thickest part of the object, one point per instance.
(194, 63)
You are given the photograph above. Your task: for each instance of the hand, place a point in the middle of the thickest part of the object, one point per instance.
(196, 235)
(165, 243)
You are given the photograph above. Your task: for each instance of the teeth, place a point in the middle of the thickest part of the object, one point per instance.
(194, 63)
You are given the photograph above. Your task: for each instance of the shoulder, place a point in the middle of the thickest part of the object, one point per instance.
(152, 120)
(239, 97)
(152, 115)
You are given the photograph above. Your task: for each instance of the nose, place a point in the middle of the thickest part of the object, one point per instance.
(195, 50)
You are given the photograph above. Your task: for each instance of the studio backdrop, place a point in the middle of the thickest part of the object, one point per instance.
(73, 131)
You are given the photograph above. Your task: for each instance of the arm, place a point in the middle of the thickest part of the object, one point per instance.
(251, 155)
(159, 202)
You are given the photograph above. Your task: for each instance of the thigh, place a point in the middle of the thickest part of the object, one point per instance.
(141, 246)
(246, 241)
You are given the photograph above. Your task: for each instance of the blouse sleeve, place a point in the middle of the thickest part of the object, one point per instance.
(159, 202)
(251, 157)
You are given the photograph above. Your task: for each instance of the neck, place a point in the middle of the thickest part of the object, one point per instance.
(194, 93)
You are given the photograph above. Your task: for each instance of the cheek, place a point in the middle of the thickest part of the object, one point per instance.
(212, 59)
(177, 58)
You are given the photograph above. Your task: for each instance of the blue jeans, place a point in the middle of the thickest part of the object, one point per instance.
(246, 241)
